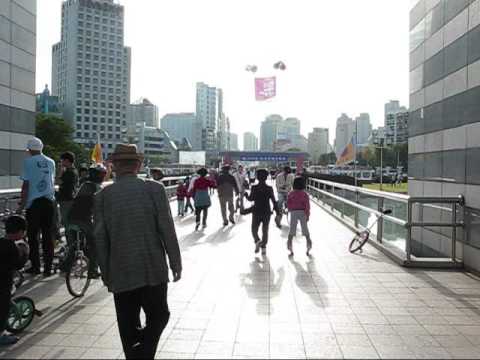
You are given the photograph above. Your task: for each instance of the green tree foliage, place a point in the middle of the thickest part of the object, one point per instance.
(327, 159)
(393, 156)
(56, 135)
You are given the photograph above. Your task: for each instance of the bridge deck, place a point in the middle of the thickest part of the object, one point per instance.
(233, 304)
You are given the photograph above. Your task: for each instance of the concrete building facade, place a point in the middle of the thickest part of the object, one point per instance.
(181, 126)
(396, 128)
(143, 111)
(250, 142)
(444, 123)
(363, 127)
(344, 132)
(233, 138)
(318, 143)
(206, 125)
(91, 71)
(17, 86)
(269, 131)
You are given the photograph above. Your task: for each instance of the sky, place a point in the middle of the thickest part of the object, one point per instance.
(342, 56)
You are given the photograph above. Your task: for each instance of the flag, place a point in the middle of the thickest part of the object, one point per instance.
(348, 154)
(265, 88)
(97, 156)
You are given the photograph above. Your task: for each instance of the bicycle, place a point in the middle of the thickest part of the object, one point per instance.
(362, 237)
(22, 308)
(77, 275)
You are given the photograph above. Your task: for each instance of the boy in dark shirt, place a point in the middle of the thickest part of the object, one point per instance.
(261, 195)
(12, 257)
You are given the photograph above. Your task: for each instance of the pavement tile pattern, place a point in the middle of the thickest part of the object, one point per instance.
(233, 304)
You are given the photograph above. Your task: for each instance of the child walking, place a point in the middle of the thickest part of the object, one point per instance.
(261, 195)
(182, 193)
(298, 204)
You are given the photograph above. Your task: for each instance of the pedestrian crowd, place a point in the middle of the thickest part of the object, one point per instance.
(131, 241)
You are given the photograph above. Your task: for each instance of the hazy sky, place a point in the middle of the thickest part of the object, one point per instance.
(342, 55)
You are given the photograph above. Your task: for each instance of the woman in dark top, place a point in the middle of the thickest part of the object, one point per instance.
(261, 195)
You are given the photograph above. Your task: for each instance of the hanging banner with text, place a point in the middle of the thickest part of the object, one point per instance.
(265, 88)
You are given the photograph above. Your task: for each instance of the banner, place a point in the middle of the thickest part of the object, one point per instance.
(265, 88)
(348, 154)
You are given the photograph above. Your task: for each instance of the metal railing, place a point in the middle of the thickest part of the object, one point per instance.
(357, 207)
(9, 197)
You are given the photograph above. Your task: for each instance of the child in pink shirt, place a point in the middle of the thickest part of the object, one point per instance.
(298, 204)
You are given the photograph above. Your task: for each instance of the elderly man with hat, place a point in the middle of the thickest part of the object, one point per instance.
(226, 186)
(134, 235)
(38, 198)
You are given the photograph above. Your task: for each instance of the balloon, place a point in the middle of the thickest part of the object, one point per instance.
(280, 66)
(251, 68)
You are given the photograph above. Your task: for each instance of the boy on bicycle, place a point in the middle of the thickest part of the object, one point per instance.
(13, 256)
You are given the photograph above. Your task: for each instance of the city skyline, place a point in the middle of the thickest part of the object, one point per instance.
(315, 88)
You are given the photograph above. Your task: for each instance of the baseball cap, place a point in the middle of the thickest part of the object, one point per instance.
(35, 144)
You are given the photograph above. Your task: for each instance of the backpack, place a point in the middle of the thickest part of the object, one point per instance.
(202, 198)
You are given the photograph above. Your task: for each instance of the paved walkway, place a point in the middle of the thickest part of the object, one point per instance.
(233, 304)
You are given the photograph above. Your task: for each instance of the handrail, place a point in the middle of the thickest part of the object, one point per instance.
(318, 186)
(373, 193)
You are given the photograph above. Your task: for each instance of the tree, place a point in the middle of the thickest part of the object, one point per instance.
(327, 159)
(56, 135)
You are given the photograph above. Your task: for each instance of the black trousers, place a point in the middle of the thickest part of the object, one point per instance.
(138, 342)
(264, 220)
(5, 298)
(40, 218)
(198, 212)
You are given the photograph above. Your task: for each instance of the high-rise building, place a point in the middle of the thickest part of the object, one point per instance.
(363, 128)
(378, 135)
(291, 128)
(444, 123)
(250, 142)
(269, 131)
(396, 128)
(181, 126)
(318, 141)
(393, 106)
(234, 142)
(344, 133)
(17, 86)
(47, 104)
(206, 126)
(143, 111)
(91, 70)
(222, 132)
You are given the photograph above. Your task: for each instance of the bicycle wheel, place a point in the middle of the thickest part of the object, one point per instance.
(358, 241)
(22, 311)
(77, 278)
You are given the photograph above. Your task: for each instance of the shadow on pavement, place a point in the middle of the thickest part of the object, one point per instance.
(309, 279)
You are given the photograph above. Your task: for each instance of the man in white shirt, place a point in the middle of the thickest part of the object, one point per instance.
(284, 184)
(38, 197)
(241, 179)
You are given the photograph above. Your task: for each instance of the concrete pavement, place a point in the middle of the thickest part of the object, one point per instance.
(233, 304)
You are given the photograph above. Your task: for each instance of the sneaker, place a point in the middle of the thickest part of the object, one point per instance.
(264, 251)
(309, 248)
(6, 340)
(204, 226)
(232, 221)
(197, 226)
(289, 248)
(225, 223)
(257, 247)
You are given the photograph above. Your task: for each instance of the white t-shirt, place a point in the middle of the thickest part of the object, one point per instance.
(39, 171)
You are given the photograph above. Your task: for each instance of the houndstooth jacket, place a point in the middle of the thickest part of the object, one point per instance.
(134, 233)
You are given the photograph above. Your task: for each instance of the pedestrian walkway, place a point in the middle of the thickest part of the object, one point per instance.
(233, 304)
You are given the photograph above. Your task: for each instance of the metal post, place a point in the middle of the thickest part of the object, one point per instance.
(381, 164)
(356, 214)
(333, 206)
(408, 244)
(454, 232)
(380, 221)
(355, 158)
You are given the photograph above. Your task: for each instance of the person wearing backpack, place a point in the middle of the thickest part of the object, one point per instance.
(201, 197)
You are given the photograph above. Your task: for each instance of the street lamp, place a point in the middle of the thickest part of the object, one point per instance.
(381, 147)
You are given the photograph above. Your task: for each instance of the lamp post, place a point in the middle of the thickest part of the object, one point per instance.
(381, 147)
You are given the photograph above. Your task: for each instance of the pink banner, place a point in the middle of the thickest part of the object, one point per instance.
(265, 88)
